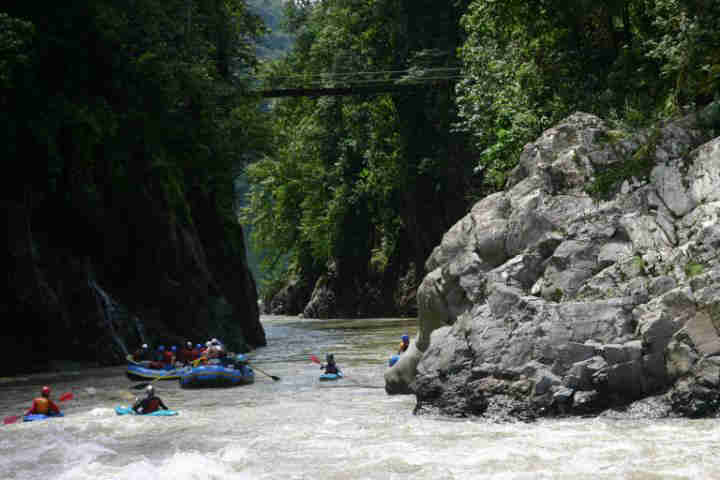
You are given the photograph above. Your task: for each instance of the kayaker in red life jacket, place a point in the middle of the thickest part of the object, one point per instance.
(150, 403)
(43, 405)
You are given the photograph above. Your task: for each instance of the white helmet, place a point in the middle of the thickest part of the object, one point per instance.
(149, 390)
(144, 345)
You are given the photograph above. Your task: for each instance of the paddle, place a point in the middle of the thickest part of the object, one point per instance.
(15, 418)
(265, 373)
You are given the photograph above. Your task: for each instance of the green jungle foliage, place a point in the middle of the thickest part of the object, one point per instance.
(365, 183)
(107, 101)
(278, 41)
(531, 63)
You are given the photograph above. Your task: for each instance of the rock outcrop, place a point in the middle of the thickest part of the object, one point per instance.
(554, 301)
(335, 296)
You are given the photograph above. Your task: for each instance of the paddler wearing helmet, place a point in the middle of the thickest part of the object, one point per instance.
(142, 354)
(43, 405)
(150, 403)
(330, 366)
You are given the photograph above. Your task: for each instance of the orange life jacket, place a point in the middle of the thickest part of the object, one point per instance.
(42, 405)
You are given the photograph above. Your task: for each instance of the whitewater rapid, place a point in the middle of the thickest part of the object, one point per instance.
(300, 428)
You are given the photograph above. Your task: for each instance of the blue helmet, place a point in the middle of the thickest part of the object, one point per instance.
(173, 348)
(198, 346)
(161, 348)
(405, 338)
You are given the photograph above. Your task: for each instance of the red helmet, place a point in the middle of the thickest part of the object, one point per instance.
(46, 391)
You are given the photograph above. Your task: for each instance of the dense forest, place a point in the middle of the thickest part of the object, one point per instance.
(126, 123)
(132, 133)
(359, 190)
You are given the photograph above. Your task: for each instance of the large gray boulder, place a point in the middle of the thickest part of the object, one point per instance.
(545, 299)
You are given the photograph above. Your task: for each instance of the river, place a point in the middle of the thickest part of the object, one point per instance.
(300, 428)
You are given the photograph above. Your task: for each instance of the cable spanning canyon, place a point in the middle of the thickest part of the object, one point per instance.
(358, 82)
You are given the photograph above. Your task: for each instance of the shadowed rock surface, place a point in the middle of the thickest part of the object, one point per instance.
(558, 302)
(91, 284)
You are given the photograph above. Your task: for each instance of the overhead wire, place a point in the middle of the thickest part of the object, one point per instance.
(358, 77)
(372, 72)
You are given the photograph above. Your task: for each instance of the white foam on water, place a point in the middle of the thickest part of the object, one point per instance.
(235, 455)
(179, 466)
(51, 449)
(101, 412)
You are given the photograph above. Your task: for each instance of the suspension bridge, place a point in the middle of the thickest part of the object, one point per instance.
(358, 83)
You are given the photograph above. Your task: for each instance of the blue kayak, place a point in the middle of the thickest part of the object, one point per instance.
(331, 376)
(39, 416)
(216, 376)
(156, 413)
(393, 360)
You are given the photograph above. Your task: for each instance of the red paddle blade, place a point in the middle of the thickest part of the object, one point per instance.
(315, 359)
(66, 396)
(12, 419)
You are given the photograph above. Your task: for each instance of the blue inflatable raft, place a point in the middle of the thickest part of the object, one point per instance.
(39, 416)
(216, 376)
(136, 371)
(156, 413)
(331, 376)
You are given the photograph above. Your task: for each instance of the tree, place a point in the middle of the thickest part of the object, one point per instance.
(529, 64)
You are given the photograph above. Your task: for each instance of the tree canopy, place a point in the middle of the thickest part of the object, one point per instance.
(529, 64)
(115, 92)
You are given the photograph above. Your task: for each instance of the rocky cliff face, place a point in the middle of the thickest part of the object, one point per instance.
(91, 282)
(546, 299)
(333, 296)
